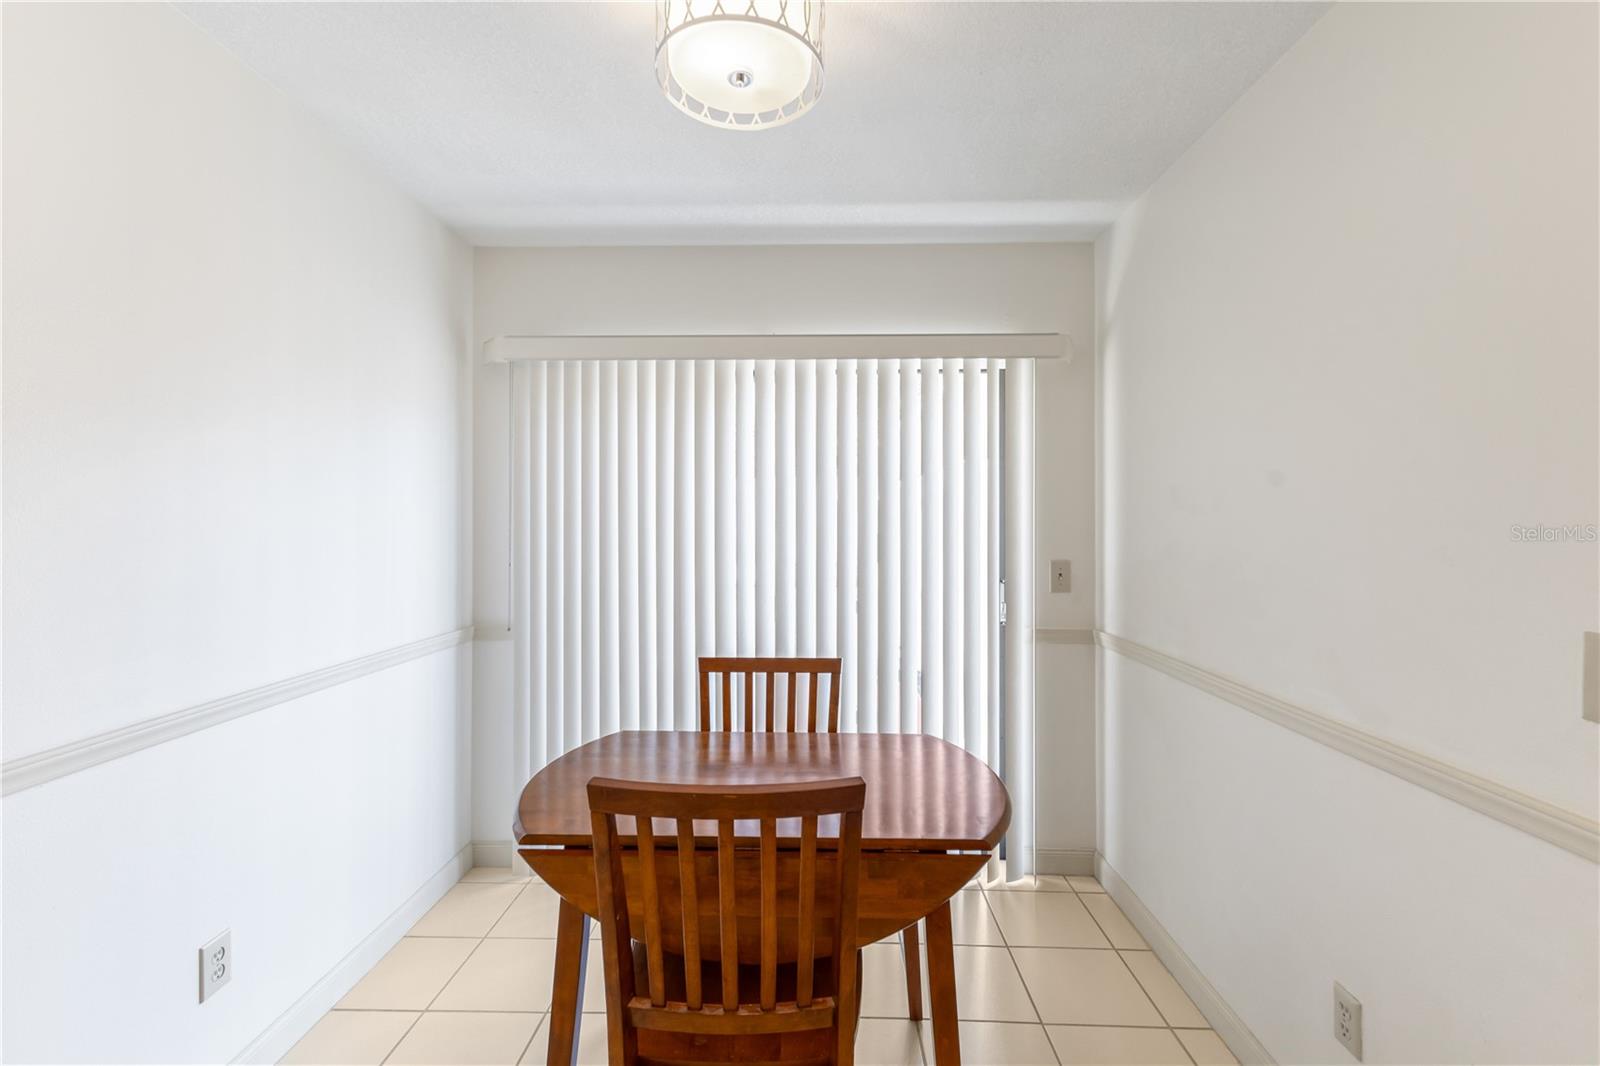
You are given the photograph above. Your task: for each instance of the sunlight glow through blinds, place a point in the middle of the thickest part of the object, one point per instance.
(667, 509)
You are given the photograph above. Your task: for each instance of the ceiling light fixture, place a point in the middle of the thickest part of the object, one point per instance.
(740, 64)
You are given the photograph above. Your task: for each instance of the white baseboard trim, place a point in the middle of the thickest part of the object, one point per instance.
(28, 771)
(494, 853)
(276, 1039)
(1076, 862)
(1563, 828)
(1228, 1025)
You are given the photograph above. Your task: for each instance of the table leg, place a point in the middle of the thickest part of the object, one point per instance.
(942, 987)
(913, 954)
(566, 1004)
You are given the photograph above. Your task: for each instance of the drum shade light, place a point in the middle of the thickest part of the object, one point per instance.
(740, 64)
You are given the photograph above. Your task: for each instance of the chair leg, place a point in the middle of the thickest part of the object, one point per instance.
(942, 987)
(847, 1014)
(566, 1006)
(909, 943)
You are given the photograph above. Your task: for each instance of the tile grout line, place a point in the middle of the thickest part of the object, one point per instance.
(504, 911)
(399, 1010)
(460, 966)
(453, 974)
(434, 1010)
(983, 894)
(464, 961)
(1208, 1028)
(921, 1049)
(533, 1036)
(390, 1053)
(1159, 1012)
(1102, 1025)
(436, 995)
(1169, 1027)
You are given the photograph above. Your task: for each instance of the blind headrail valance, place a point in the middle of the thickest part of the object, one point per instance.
(515, 348)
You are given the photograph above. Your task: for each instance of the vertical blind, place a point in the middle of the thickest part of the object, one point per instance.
(869, 509)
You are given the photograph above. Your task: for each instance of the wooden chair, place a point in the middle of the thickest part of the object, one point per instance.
(688, 892)
(717, 674)
(812, 671)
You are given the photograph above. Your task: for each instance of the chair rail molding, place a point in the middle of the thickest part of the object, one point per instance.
(1044, 635)
(29, 771)
(1556, 825)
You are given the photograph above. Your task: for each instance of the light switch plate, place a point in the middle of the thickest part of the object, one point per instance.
(1061, 575)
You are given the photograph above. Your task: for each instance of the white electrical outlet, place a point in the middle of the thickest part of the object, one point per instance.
(1347, 1019)
(216, 964)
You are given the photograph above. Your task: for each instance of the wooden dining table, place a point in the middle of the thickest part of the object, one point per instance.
(933, 816)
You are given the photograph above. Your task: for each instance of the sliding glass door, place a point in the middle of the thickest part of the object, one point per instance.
(667, 509)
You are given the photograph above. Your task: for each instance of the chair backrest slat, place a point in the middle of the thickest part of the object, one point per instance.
(689, 894)
(806, 933)
(833, 704)
(786, 697)
(769, 913)
(655, 967)
(728, 911)
(638, 894)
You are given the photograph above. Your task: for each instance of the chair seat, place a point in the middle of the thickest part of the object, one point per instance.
(810, 1045)
(711, 979)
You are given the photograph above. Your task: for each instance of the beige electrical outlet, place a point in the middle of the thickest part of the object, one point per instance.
(1061, 575)
(1591, 676)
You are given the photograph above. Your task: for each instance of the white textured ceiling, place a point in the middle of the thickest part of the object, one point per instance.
(540, 123)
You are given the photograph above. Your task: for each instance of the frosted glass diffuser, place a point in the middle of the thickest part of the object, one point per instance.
(743, 65)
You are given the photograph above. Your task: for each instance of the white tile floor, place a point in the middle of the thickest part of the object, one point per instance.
(1049, 971)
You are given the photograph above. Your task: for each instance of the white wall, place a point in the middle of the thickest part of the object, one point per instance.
(848, 289)
(1348, 341)
(237, 393)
